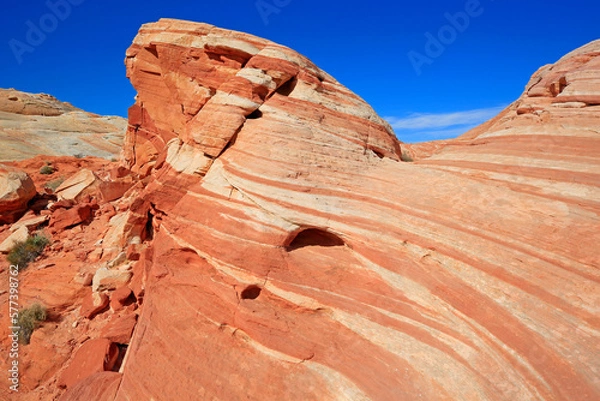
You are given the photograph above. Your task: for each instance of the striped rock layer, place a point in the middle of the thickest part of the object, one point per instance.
(295, 257)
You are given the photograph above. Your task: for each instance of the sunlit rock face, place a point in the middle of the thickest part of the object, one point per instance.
(40, 124)
(293, 255)
(16, 189)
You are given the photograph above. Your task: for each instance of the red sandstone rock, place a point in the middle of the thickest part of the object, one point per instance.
(109, 191)
(61, 204)
(78, 186)
(66, 218)
(13, 101)
(95, 255)
(120, 298)
(94, 356)
(93, 304)
(101, 386)
(120, 328)
(84, 185)
(108, 210)
(16, 189)
(140, 271)
(133, 252)
(40, 361)
(84, 278)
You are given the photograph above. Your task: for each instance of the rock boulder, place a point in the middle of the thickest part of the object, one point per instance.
(93, 357)
(16, 190)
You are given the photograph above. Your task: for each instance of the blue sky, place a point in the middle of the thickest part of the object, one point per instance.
(479, 60)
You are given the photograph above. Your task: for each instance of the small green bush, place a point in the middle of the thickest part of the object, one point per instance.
(53, 185)
(47, 170)
(29, 320)
(25, 252)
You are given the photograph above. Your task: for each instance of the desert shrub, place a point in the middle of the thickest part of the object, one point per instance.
(47, 170)
(25, 252)
(29, 320)
(54, 184)
(406, 157)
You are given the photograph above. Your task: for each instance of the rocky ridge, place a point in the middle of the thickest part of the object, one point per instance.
(40, 124)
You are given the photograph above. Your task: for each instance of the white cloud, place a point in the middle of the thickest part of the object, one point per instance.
(430, 126)
(440, 120)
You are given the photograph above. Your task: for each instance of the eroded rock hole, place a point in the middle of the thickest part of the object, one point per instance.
(557, 87)
(251, 292)
(222, 56)
(288, 87)
(314, 237)
(152, 50)
(255, 115)
(377, 153)
(149, 228)
(155, 73)
(111, 360)
(122, 349)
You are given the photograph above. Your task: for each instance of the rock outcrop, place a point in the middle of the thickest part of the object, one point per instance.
(545, 144)
(292, 247)
(32, 125)
(276, 247)
(16, 190)
(200, 87)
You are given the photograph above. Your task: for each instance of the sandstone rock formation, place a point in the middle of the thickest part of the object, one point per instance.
(16, 190)
(296, 250)
(544, 144)
(201, 87)
(32, 125)
(278, 248)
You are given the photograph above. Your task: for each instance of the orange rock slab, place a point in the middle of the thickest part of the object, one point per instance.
(93, 357)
